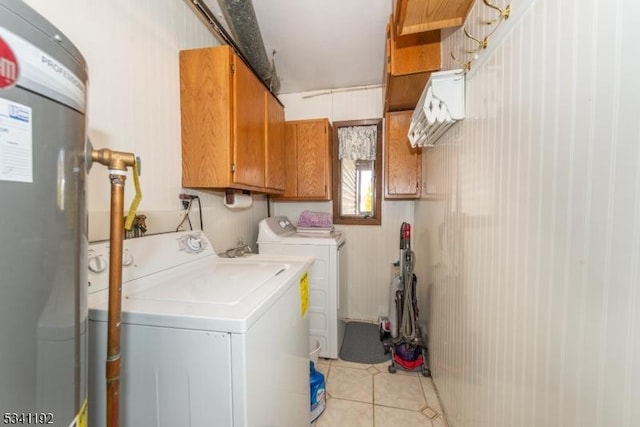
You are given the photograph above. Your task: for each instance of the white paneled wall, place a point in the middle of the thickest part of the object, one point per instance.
(531, 240)
(371, 249)
(134, 105)
(131, 48)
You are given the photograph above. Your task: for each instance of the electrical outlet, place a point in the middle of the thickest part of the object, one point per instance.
(184, 200)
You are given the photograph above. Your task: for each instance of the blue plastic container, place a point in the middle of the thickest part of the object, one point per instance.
(318, 398)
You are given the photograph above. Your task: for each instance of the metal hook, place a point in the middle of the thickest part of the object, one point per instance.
(482, 44)
(466, 66)
(504, 13)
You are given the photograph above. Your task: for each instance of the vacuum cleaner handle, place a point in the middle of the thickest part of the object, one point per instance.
(405, 236)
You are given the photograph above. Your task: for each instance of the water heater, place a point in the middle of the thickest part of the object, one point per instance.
(43, 231)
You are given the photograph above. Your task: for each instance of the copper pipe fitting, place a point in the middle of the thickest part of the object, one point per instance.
(114, 160)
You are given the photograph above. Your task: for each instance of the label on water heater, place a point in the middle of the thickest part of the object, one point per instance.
(16, 142)
(28, 66)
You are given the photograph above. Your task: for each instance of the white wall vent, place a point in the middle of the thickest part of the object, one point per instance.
(440, 106)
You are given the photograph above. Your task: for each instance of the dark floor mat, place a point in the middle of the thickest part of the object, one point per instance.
(362, 344)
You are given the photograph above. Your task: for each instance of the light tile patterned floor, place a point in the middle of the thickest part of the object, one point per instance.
(360, 395)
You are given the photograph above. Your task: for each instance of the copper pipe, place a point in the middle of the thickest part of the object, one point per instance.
(115, 300)
(117, 162)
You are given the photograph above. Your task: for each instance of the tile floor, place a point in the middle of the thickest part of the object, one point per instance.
(360, 395)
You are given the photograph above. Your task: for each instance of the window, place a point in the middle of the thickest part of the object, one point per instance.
(357, 165)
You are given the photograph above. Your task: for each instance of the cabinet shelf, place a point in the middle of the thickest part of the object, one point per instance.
(410, 61)
(417, 16)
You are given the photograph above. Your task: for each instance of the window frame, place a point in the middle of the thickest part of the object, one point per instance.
(376, 218)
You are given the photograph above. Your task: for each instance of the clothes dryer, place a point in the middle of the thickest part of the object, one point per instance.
(327, 277)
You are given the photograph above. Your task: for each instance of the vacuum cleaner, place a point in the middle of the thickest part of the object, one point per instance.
(408, 351)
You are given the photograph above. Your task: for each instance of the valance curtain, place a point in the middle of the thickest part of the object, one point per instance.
(357, 142)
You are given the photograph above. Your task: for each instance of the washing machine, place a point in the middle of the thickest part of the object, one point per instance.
(205, 340)
(327, 277)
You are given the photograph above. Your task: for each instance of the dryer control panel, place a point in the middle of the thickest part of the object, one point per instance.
(279, 226)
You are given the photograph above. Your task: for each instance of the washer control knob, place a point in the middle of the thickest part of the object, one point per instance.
(282, 223)
(97, 264)
(194, 243)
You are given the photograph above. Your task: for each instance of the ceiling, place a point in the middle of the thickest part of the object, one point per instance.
(326, 44)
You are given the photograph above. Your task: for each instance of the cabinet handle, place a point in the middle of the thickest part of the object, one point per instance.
(233, 167)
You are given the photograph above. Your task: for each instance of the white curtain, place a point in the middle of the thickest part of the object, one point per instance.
(357, 142)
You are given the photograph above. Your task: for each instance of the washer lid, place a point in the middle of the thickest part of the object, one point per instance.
(211, 294)
(214, 283)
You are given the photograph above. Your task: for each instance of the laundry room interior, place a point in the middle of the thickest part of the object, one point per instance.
(522, 229)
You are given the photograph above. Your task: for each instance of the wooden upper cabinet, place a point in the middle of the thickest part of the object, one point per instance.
(230, 126)
(249, 126)
(417, 16)
(410, 61)
(313, 140)
(403, 164)
(275, 144)
(290, 161)
(206, 111)
(308, 160)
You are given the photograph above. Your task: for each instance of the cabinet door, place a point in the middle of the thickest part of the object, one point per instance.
(291, 160)
(205, 105)
(274, 174)
(313, 159)
(249, 114)
(403, 164)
